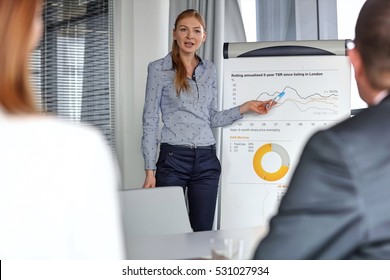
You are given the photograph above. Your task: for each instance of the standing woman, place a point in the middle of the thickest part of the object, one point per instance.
(184, 88)
(58, 182)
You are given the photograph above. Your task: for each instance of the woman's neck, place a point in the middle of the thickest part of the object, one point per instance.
(190, 62)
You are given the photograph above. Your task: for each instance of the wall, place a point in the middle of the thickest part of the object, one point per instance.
(141, 36)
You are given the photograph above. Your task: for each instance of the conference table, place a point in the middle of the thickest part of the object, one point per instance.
(193, 245)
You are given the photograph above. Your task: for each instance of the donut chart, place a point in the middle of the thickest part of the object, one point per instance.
(257, 162)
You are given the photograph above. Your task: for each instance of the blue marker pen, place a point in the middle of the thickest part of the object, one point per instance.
(279, 96)
(276, 99)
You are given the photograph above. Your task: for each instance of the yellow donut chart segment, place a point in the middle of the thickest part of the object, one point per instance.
(271, 176)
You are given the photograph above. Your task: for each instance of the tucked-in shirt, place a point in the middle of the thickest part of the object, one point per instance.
(188, 117)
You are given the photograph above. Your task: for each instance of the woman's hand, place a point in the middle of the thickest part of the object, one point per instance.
(257, 106)
(150, 179)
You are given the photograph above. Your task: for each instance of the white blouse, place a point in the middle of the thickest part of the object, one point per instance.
(58, 192)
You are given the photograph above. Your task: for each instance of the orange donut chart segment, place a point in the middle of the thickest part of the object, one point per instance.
(271, 176)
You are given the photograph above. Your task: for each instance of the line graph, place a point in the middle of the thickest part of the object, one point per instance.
(286, 89)
(306, 95)
(315, 101)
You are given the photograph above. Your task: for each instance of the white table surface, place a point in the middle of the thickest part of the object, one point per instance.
(189, 245)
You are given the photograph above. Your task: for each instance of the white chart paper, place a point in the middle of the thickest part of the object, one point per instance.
(259, 152)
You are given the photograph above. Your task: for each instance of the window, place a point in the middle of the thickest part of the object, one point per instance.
(347, 13)
(72, 68)
(248, 12)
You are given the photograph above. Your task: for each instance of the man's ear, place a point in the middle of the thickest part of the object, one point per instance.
(357, 62)
(366, 91)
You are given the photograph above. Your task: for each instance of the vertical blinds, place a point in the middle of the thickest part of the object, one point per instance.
(72, 68)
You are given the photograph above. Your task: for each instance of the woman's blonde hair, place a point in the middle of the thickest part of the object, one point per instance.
(16, 21)
(181, 82)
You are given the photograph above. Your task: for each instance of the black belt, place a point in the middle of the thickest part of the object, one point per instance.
(211, 147)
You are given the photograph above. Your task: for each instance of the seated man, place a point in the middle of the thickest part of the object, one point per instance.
(337, 205)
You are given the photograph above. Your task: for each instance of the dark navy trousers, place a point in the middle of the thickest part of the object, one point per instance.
(197, 170)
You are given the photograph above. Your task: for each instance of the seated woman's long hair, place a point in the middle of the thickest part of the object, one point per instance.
(16, 26)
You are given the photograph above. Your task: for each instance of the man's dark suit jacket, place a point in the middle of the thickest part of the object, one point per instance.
(338, 202)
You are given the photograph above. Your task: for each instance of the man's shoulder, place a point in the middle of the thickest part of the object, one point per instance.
(355, 132)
